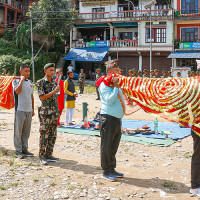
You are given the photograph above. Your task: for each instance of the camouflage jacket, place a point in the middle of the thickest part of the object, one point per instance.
(50, 105)
(146, 76)
(81, 77)
(98, 76)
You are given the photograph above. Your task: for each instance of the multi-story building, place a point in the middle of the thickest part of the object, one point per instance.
(187, 34)
(125, 26)
(12, 11)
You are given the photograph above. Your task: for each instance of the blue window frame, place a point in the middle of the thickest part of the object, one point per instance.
(189, 34)
(189, 6)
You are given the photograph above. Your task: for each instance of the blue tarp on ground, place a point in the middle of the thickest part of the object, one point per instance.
(87, 54)
(177, 132)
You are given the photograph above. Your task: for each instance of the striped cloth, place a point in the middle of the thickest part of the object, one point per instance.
(6, 92)
(175, 99)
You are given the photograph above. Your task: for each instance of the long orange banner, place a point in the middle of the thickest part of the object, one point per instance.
(6, 92)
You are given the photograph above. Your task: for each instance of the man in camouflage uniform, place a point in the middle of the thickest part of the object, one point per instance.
(189, 74)
(81, 81)
(134, 72)
(170, 74)
(130, 73)
(145, 75)
(156, 72)
(152, 73)
(139, 74)
(48, 113)
(164, 74)
(98, 75)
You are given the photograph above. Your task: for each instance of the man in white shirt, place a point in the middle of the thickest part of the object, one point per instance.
(70, 68)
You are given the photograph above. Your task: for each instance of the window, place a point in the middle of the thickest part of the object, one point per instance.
(189, 34)
(125, 35)
(99, 15)
(158, 35)
(189, 6)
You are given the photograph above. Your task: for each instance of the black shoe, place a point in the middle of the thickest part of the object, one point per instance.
(19, 155)
(98, 99)
(27, 153)
(43, 161)
(52, 159)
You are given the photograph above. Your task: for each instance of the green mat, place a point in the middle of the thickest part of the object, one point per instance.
(140, 140)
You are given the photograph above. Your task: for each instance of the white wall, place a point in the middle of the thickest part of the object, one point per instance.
(169, 32)
(88, 9)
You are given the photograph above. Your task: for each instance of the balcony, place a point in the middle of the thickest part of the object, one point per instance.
(182, 14)
(124, 16)
(123, 45)
(12, 4)
(110, 43)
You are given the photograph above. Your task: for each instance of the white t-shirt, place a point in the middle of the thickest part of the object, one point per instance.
(70, 68)
(23, 101)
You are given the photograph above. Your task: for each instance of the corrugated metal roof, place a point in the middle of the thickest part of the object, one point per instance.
(185, 54)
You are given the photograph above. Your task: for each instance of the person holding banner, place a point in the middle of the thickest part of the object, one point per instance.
(24, 110)
(48, 114)
(110, 121)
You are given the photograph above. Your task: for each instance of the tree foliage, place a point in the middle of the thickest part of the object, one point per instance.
(22, 36)
(52, 16)
(12, 63)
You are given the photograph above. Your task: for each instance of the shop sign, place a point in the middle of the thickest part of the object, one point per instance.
(189, 45)
(98, 44)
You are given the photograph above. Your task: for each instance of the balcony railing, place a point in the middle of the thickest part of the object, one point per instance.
(187, 14)
(13, 3)
(132, 15)
(111, 43)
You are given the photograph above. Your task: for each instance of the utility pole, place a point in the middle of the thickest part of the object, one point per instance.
(150, 42)
(33, 67)
(146, 7)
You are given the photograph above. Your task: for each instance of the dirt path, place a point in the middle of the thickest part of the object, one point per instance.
(150, 172)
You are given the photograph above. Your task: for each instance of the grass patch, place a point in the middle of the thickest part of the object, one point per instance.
(36, 179)
(3, 123)
(187, 154)
(170, 185)
(12, 160)
(87, 89)
(3, 187)
(4, 151)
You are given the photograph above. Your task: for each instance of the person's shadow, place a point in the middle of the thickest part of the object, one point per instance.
(158, 183)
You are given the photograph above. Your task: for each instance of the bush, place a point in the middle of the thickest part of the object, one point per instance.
(11, 63)
(9, 35)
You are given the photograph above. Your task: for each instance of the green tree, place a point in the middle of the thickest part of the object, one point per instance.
(22, 36)
(12, 63)
(51, 17)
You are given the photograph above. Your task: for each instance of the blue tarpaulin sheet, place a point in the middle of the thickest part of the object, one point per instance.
(177, 132)
(87, 54)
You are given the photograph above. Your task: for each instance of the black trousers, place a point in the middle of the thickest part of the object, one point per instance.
(110, 130)
(195, 164)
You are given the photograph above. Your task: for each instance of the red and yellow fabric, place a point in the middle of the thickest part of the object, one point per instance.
(176, 99)
(6, 92)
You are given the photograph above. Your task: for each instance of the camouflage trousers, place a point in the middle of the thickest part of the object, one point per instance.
(81, 87)
(48, 133)
(97, 90)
